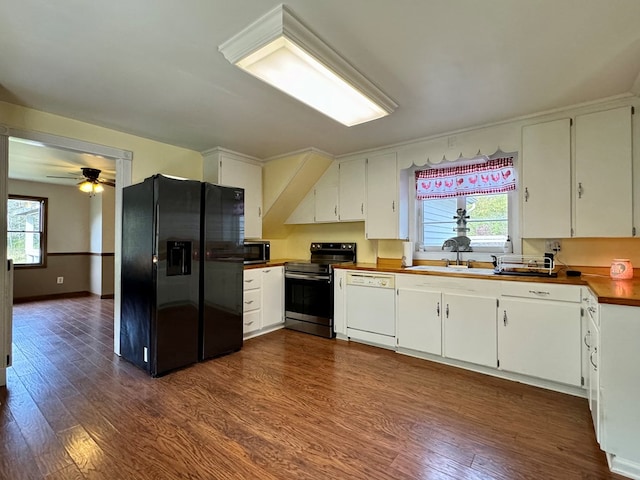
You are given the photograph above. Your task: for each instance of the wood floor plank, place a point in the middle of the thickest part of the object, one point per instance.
(286, 406)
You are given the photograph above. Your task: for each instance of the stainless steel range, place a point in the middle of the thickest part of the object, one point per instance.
(308, 288)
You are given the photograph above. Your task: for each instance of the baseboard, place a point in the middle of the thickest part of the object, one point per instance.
(108, 296)
(623, 467)
(53, 296)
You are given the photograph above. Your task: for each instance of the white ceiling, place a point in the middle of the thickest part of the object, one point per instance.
(152, 68)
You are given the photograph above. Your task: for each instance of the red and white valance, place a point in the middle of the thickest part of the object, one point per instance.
(494, 176)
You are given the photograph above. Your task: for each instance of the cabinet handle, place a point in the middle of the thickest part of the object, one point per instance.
(539, 292)
(587, 335)
(362, 208)
(595, 350)
(248, 280)
(249, 302)
(340, 282)
(446, 311)
(438, 308)
(526, 194)
(335, 211)
(259, 211)
(580, 190)
(592, 309)
(248, 323)
(504, 318)
(393, 206)
(266, 271)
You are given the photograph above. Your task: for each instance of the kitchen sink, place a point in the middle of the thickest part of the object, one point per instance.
(451, 269)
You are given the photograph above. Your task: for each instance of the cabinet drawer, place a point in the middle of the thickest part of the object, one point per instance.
(251, 321)
(252, 279)
(251, 300)
(541, 291)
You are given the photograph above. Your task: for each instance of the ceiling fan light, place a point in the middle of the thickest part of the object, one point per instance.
(284, 53)
(98, 188)
(86, 186)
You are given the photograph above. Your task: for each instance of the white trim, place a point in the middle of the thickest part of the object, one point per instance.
(4, 193)
(300, 152)
(623, 467)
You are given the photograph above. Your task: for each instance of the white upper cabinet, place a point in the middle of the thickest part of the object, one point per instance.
(352, 192)
(326, 195)
(545, 186)
(386, 216)
(603, 178)
(224, 167)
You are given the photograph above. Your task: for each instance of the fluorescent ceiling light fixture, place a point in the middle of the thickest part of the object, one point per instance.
(281, 51)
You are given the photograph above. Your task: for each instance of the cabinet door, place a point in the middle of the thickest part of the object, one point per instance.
(594, 377)
(540, 338)
(546, 168)
(419, 321)
(272, 296)
(339, 312)
(352, 192)
(469, 328)
(236, 173)
(382, 197)
(603, 180)
(326, 204)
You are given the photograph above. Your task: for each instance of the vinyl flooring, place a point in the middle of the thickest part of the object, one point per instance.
(287, 406)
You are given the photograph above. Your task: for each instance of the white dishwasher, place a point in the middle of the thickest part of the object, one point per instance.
(370, 299)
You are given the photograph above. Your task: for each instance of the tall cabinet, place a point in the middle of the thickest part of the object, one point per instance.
(387, 209)
(233, 169)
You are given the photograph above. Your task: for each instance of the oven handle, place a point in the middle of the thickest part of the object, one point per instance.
(305, 276)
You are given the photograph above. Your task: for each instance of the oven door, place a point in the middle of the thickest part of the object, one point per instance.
(308, 300)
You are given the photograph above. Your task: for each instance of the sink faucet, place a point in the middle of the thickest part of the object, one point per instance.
(455, 243)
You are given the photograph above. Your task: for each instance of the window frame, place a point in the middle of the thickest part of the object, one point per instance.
(481, 254)
(44, 210)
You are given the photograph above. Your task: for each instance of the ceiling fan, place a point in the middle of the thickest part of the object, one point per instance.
(91, 180)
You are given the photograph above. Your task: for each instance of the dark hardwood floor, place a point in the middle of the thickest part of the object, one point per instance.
(287, 406)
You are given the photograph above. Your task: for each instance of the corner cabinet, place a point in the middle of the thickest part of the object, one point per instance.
(603, 178)
(546, 172)
(387, 196)
(224, 167)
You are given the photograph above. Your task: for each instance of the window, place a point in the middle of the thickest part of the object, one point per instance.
(26, 235)
(488, 221)
(483, 190)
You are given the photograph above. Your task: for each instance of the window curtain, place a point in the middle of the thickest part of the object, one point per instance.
(494, 176)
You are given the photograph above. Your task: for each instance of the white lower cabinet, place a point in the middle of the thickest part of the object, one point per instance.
(618, 373)
(469, 328)
(263, 301)
(541, 338)
(339, 311)
(272, 296)
(594, 375)
(419, 323)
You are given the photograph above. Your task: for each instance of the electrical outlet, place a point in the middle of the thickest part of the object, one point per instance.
(60, 280)
(552, 246)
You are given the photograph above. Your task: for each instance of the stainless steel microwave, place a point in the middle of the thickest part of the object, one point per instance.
(257, 251)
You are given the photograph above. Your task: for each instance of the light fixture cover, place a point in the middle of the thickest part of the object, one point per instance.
(281, 51)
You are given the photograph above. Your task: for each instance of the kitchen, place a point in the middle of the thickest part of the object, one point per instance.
(288, 179)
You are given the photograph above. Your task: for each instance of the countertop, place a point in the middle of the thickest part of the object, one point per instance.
(616, 292)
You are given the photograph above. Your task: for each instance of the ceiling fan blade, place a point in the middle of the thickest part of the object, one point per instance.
(108, 183)
(66, 178)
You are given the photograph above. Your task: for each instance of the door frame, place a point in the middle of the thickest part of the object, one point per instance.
(123, 160)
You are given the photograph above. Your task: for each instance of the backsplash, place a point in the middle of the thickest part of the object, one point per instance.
(591, 252)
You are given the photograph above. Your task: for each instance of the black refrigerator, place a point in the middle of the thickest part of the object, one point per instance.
(182, 266)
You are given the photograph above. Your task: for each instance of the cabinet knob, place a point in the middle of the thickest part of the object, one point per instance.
(526, 194)
(504, 318)
(438, 308)
(446, 311)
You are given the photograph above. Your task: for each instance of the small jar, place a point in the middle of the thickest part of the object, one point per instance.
(621, 269)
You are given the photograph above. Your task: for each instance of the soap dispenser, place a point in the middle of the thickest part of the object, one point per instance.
(508, 247)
